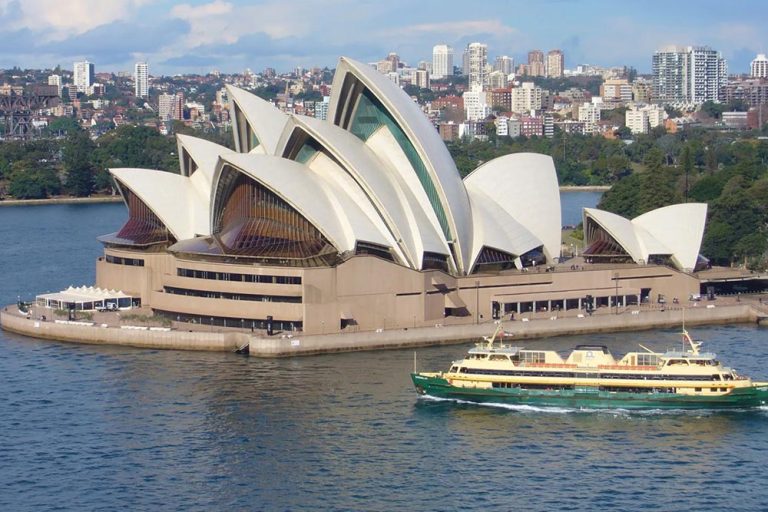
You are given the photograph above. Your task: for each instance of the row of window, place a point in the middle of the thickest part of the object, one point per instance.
(572, 375)
(117, 260)
(231, 276)
(242, 323)
(231, 296)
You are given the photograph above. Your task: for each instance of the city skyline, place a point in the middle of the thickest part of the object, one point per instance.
(233, 35)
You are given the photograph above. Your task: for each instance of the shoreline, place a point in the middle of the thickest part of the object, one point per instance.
(61, 200)
(118, 198)
(298, 344)
(584, 188)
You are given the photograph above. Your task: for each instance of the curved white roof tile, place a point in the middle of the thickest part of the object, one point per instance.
(265, 119)
(525, 186)
(675, 230)
(427, 143)
(496, 229)
(206, 155)
(172, 197)
(679, 227)
(324, 204)
(403, 214)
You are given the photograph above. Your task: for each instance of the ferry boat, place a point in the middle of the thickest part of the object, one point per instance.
(590, 377)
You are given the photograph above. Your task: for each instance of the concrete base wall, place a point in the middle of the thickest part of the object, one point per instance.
(285, 346)
(177, 340)
(405, 338)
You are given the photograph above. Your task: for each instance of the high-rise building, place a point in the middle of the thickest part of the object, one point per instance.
(504, 64)
(589, 114)
(141, 80)
(442, 61)
(692, 74)
(83, 76)
(476, 105)
(171, 106)
(421, 78)
(478, 63)
(390, 64)
(55, 80)
(555, 63)
(759, 67)
(497, 80)
(536, 65)
(616, 89)
(525, 98)
(321, 108)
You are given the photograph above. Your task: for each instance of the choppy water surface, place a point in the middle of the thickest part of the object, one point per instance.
(104, 428)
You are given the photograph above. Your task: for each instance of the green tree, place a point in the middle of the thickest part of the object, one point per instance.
(29, 182)
(77, 154)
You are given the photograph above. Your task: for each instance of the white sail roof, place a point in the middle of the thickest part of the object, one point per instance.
(675, 230)
(679, 227)
(266, 121)
(425, 139)
(494, 228)
(404, 216)
(172, 197)
(320, 201)
(524, 187)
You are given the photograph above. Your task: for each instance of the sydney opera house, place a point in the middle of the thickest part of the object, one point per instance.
(362, 222)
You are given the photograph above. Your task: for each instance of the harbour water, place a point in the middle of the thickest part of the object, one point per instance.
(106, 428)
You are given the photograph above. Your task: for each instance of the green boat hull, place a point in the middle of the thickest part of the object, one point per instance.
(590, 398)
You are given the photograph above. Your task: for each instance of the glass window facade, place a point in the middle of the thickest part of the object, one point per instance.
(232, 276)
(215, 294)
(251, 220)
(134, 262)
(370, 115)
(143, 226)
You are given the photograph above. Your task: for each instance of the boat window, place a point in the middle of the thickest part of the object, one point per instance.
(452, 370)
(698, 390)
(647, 359)
(499, 357)
(677, 362)
(533, 357)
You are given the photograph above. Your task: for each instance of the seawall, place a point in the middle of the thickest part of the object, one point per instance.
(61, 200)
(298, 344)
(554, 326)
(175, 339)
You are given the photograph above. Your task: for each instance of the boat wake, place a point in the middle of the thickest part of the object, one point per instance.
(511, 407)
(617, 411)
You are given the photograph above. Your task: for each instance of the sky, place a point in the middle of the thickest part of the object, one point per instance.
(232, 35)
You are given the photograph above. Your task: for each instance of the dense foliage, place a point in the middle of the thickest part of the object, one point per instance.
(579, 159)
(728, 173)
(74, 164)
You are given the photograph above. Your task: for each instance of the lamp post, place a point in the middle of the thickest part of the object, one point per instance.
(616, 296)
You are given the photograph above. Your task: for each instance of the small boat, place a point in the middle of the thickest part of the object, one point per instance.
(590, 377)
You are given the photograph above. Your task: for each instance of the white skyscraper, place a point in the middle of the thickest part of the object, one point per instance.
(477, 54)
(141, 80)
(692, 74)
(504, 64)
(84, 76)
(759, 67)
(55, 80)
(442, 61)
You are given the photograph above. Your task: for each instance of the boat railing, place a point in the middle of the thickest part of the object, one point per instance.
(549, 365)
(627, 367)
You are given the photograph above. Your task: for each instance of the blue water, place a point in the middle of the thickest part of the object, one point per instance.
(107, 428)
(572, 202)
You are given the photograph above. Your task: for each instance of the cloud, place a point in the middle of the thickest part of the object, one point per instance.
(55, 21)
(460, 28)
